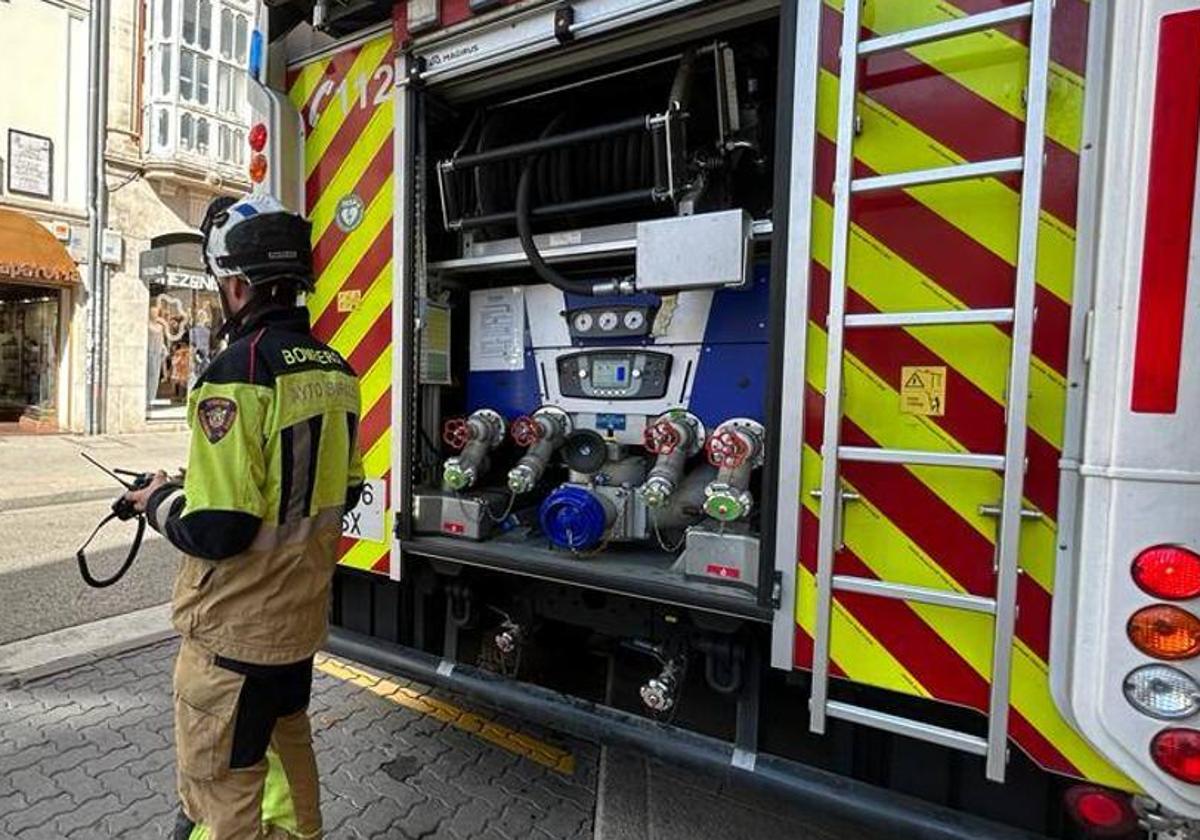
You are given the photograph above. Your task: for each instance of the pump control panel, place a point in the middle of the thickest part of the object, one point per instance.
(614, 375)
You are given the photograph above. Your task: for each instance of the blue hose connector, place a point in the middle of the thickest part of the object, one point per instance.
(573, 518)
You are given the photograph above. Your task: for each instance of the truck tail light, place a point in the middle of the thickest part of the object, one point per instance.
(1168, 572)
(258, 168)
(1177, 751)
(1103, 813)
(1165, 632)
(1163, 692)
(258, 137)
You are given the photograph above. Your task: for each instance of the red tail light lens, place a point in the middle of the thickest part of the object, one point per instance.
(1168, 572)
(1165, 632)
(1177, 751)
(258, 168)
(258, 137)
(1103, 813)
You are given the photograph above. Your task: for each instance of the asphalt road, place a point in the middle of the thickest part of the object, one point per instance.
(40, 586)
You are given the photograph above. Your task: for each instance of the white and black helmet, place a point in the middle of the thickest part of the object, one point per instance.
(257, 237)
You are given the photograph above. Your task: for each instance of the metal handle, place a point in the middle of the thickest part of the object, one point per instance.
(846, 496)
(994, 510)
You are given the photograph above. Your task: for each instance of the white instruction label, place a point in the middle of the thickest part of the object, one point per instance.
(498, 329)
(366, 520)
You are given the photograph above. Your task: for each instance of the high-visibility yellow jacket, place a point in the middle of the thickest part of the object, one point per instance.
(273, 464)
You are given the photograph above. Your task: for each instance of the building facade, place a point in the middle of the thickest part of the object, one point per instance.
(175, 138)
(43, 212)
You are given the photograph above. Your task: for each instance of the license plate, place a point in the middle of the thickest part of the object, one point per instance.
(366, 520)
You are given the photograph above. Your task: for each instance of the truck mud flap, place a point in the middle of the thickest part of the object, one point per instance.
(876, 809)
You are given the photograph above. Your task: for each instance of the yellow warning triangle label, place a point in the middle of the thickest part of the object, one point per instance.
(914, 381)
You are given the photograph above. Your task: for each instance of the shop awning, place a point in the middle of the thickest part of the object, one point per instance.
(30, 254)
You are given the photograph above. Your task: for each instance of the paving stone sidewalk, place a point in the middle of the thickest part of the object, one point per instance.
(87, 755)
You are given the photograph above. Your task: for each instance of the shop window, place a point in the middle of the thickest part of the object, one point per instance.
(185, 317)
(187, 74)
(241, 39)
(28, 354)
(226, 37)
(202, 136)
(205, 14)
(189, 21)
(187, 132)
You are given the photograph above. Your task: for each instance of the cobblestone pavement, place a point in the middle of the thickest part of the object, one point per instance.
(87, 755)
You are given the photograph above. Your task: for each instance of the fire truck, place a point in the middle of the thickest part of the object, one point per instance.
(801, 391)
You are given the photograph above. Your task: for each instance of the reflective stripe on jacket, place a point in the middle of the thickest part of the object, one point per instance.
(273, 463)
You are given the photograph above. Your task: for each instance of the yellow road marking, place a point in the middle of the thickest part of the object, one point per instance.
(509, 740)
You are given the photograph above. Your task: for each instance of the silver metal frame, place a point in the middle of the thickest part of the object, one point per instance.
(1062, 635)
(908, 727)
(794, 342)
(1018, 388)
(969, 460)
(1021, 316)
(920, 594)
(937, 175)
(948, 29)
(402, 316)
(930, 319)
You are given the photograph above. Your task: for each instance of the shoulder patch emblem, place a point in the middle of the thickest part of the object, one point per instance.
(216, 416)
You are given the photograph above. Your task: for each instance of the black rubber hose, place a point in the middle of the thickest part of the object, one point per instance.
(525, 232)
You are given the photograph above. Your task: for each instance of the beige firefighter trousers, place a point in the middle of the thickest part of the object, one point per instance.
(246, 803)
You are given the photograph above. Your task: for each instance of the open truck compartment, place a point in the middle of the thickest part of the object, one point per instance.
(592, 279)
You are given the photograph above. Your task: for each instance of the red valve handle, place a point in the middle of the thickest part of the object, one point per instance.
(727, 449)
(662, 438)
(526, 431)
(456, 433)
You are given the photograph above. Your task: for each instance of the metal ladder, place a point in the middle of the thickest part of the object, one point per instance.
(1012, 462)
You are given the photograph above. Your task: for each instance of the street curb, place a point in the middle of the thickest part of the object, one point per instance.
(121, 634)
(50, 499)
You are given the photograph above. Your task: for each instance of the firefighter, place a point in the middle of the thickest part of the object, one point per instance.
(273, 464)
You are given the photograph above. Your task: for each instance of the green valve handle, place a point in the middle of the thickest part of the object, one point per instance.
(456, 478)
(724, 507)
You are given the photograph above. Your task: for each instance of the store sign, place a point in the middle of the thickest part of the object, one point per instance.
(30, 164)
(36, 273)
(189, 280)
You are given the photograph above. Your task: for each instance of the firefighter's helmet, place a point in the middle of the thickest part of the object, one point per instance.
(258, 238)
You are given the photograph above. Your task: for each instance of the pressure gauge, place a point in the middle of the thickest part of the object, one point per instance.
(608, 321)
(583, 322)
(634, 320)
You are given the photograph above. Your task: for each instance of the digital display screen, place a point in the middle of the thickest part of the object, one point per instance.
(610, 373)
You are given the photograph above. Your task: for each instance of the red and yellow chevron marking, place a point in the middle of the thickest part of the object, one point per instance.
(346, 101)
(945, 247)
